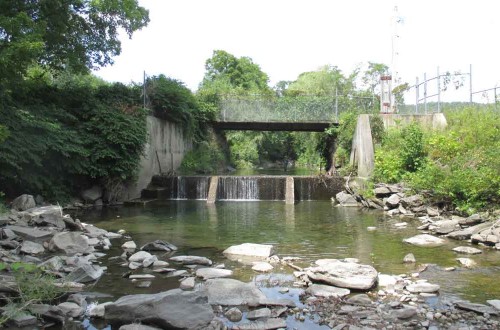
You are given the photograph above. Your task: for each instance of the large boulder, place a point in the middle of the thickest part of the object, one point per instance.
(425, 240)
(173, 309)
(320, 290)
(159, 245)
(92, 194)
(31, 234)
(23, 202)
(85, 273)
(192, 260)
(412, 201)
(70, 243)
(343, 274)
(29, 247)
(346, 199)
(229, 292)
(249, 251)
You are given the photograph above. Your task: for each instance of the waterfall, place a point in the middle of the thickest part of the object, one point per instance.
(238, 188)
(181, 188)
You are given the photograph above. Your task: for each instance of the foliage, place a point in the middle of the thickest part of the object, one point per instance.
(412, 147)
(377, 128)
(71, 34)
(206, 158)
(244, 148)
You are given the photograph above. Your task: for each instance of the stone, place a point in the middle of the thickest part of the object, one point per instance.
(31, 234)
(393, 201)
(495, 303)
(404, 313)
(187, 284)
(98, 310)
(409, 259)
(343, 274)
(208, 273)
(141, 277)
(174, 309)
(234, 314)
(54, 264)
(92, 194)
(23, 203)
(143, 284)
(130, 245)
(249, 250)
(274, 302)
(230, 292)
(93, 231)
(360, 299)
(467, 262)
(262, 267)
(413, 201)
(326, 291)
(432, 212)
(267, 324)
(134, 265)
(385, 280)
(160, 263)
(422, 287)
(443, 227)
(139, 256)
(192, 260)
(70, 243)
(470, 221)
(85, 273)
(149, 261)
(425, 240)
(29, 247)
(52, 313)
(24, 320)
(136, 326)
(382, 192)
(346, 199)
(467, 250)
(71, 309)
(259, 313)
(466, 233)
(159, 245)
(477, 308)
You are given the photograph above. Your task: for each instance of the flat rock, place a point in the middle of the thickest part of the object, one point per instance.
(230, 292)
(251, 250)
(141, 277)
(422, 287)
(467, 233)
(136, 326)
(320, 290)
(208, 273)
(412, 201)
(172, 309)
(346, 199)
(32, 234)
(382, 191)
(393, 201)
(139, 256)
(271, 323)
(259, 313)
(160, 263)
(29, 247)
(495, 303)
(159, 245)
(93, 231)
(409, 259)
(23, 202)
(425, 240)
(187, 284)
(360, 299)
(467, 250)
(404, 313)
(477, 308)
(130, 245)
(467, 262)
(70, 243)
(262, 267)
(470, 221)
(343, 274)
(71, 309)
(192, 260)
(85, 273)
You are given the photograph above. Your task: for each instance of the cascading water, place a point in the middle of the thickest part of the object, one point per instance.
(238, 188)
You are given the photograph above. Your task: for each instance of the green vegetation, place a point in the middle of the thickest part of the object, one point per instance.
(459, 165)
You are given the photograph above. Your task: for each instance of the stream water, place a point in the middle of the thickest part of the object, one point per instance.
(309, 230)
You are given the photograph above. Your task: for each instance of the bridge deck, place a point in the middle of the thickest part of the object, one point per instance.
(271, 126)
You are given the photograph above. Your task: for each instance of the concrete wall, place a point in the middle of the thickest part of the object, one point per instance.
(362, 154)
(163, 152)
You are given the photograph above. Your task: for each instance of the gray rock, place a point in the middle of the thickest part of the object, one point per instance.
(443, 227)
(425, 240)
(477, 308)
(466, 233)
(93, 231)
(259, 313)
(467, 250)
(160, 263)
(187, 284)
(136, 326)
(230, 292)
(346, 199)
(409, 259)
(343, 274)
(85, 273)
(130, 245)
(23, 320)
(422, 287)
(432, 212)
(52, 313)
(234, 314)
(250, 250)
(29, 247)
(467, 262)
(404, 313)
(55, 264)
(382, 192)
(159, 245)
(495, 303)
(393, 201)
(23, 202)
(149, 261)
(470, 221)
(70, 243)
(262, 267)
(208, 273)
(360, 299)
(32, 234)
(139, 256)
(71, 309)
(271, 323)
(92, 194)
(192, 260)
(412, 201)
(175, 309)
(320, 290)
(98, 310)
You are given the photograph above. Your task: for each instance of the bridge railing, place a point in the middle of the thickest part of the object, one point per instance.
(257, 108)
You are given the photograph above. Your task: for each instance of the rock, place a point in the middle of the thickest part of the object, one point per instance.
(259, 314)
(175, 309)
(139, 256)
(71, 309)
(249, 250)
(23, 203)
(160, 263)
(404, 313)
(143, 284)
(422, 287)
(319, 290)
(393, 201)
(187, 284)
(23, 320)
(432, 212)
(159, 245)
(31, 234)
(136, 326)
(54, 264)
(70, 243)
(444, 227)
(385, 280)
(192, 260)
(130, 245)
(85, 273)
(207, 273)
(275, 302)
(149, 261)
(29, 247)
(360, 299)
(134, 265)
(425, 240)
(92, 194)
(141, 277)
(48, 312)
(409, 259)
(343, 274)
(467, 250)
(262, 267)
(470, 221)
(381, 192)
(271, 323)
(477, 308)
(345, 199)
(230, 292)
(234, 314)
(411, 202)
(467, 262)
(495, 303)
(93, 231)
(466, 233)
(98, 310)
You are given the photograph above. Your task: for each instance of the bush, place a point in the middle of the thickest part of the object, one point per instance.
(206, 158)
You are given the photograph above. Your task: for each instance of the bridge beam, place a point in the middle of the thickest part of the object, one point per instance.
(271, 126)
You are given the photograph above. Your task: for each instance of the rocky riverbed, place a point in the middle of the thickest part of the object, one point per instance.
(327, 293)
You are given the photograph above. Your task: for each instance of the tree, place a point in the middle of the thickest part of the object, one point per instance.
(75, 35)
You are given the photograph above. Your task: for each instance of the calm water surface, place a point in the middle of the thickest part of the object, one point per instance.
(309, 230)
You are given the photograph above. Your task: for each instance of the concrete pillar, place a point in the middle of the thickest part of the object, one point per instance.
(290, 191)
(212, 190)
(362, 153)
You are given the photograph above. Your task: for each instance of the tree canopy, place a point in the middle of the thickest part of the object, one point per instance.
(64, 34)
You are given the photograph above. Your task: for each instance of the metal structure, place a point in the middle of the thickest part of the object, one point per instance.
(386, 103)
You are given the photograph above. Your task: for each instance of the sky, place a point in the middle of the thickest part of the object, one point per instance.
(288, 37)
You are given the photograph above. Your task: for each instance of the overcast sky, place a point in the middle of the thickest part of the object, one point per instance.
(288, 37)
